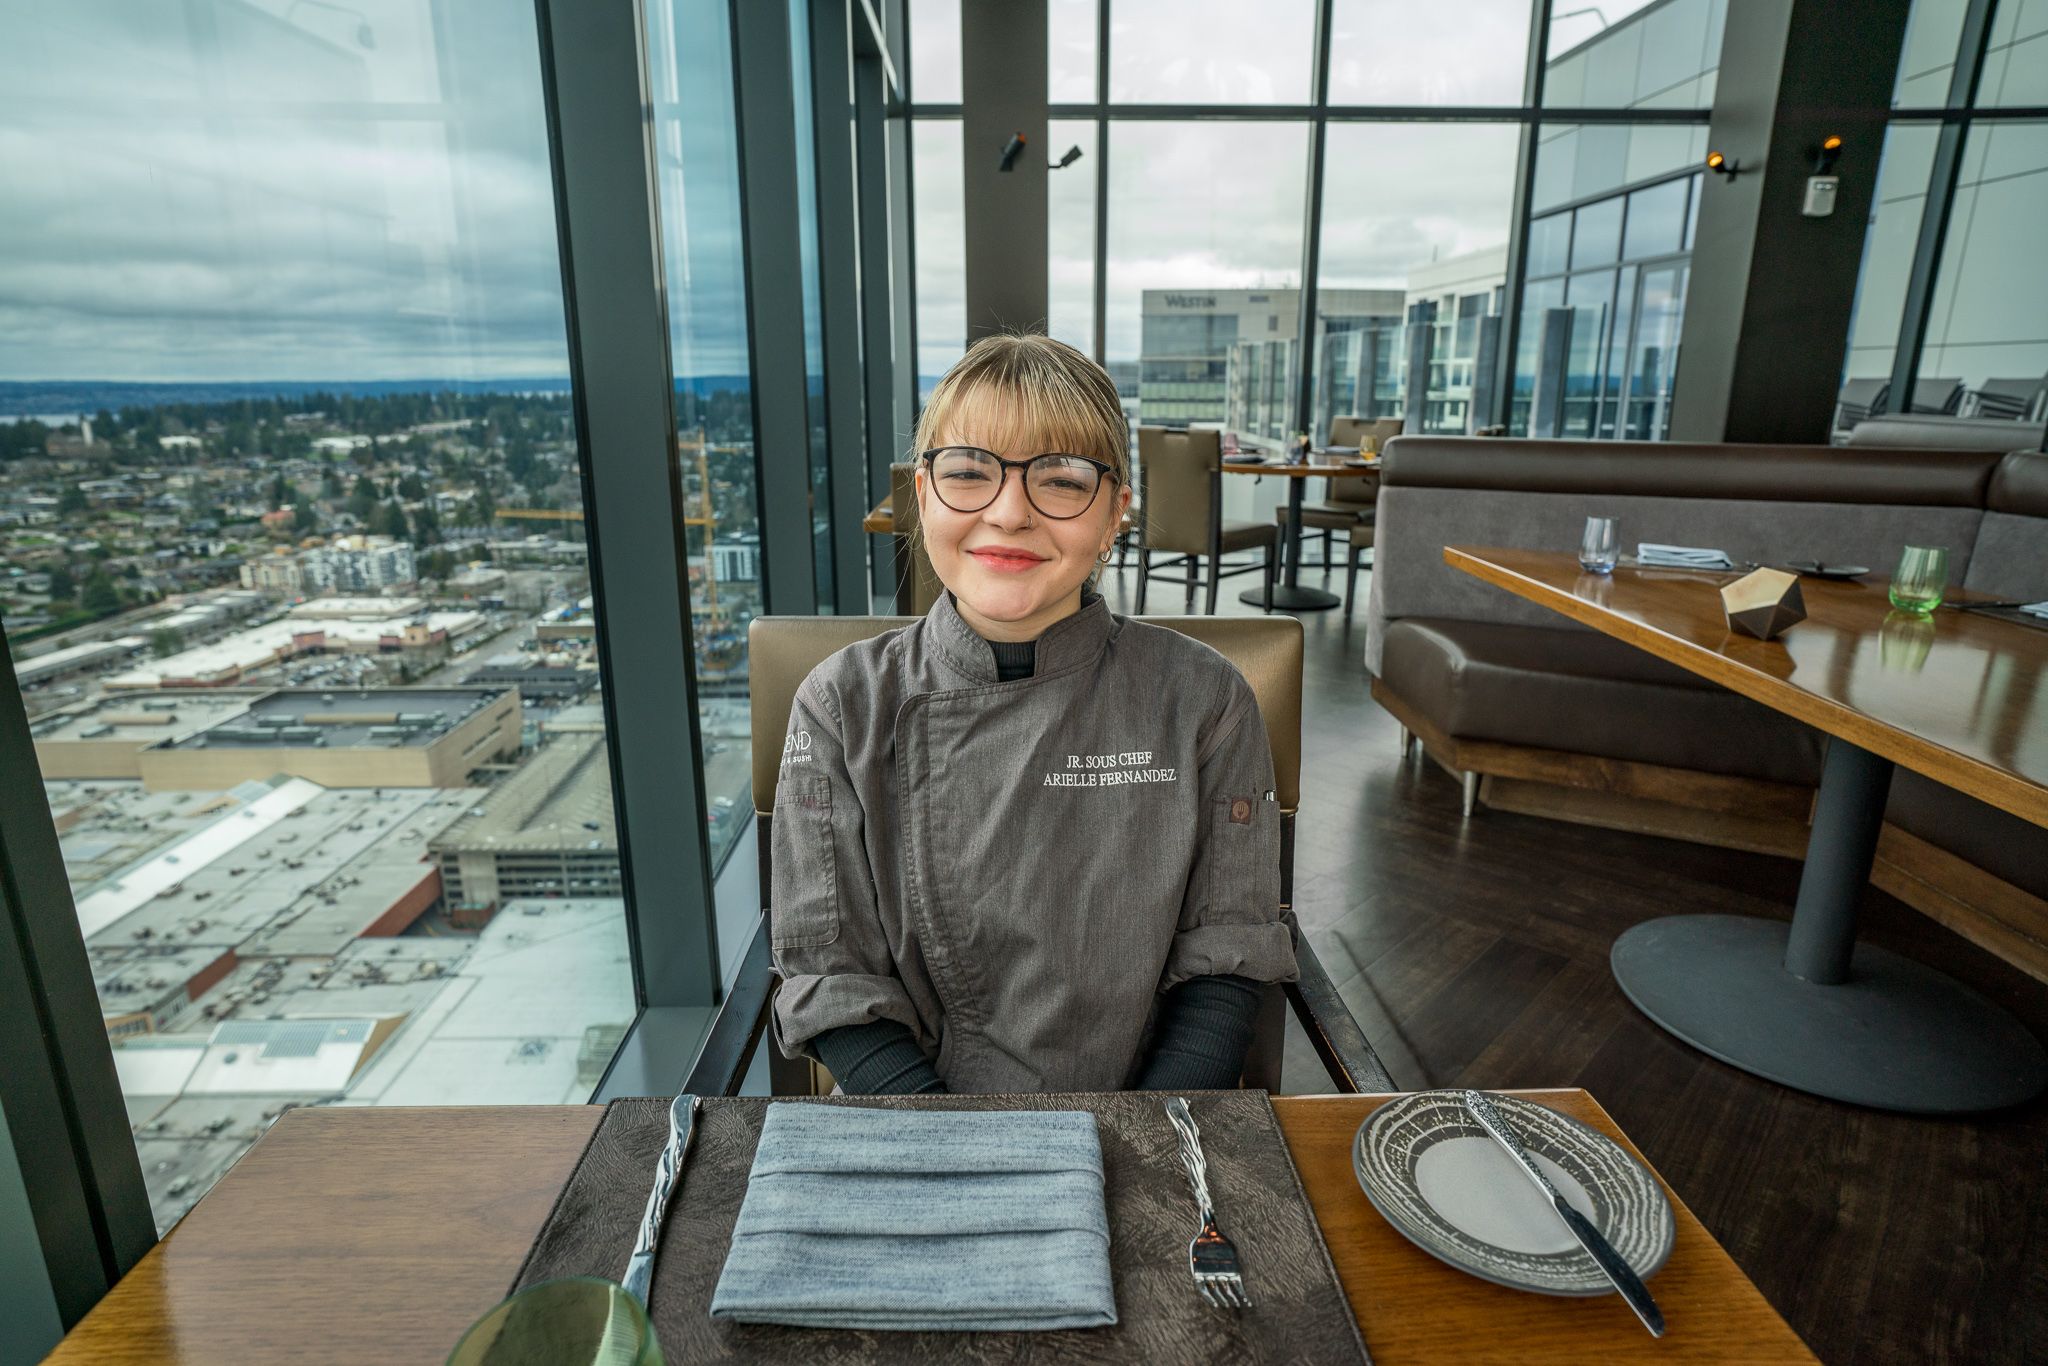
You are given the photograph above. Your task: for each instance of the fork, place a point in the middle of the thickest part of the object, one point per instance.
(1212, 1258)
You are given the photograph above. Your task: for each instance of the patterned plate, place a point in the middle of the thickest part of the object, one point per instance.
(1429, 1168)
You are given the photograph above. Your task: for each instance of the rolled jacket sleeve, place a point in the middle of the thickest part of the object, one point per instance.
(824, 926)
(1231, 919)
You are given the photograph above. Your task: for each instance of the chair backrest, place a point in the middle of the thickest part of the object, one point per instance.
(924, 584)
(1179, 474)
(782, 651)
(1366, 433)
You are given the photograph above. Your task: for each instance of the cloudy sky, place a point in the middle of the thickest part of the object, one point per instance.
(293, 189)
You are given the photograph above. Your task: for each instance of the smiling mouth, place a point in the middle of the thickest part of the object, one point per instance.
(1007, 559)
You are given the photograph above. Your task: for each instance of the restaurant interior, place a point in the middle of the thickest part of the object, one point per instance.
(1610, 443)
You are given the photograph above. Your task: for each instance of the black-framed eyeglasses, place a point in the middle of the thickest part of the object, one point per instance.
(1059, 486)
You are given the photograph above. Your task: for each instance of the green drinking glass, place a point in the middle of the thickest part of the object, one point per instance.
(576, 1321)
(1918, 582)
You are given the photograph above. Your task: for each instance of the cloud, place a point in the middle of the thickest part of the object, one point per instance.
(261, 196)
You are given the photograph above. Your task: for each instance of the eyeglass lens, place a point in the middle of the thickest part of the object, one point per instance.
(1059, 486)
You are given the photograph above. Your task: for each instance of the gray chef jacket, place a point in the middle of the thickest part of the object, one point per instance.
(1017, 870)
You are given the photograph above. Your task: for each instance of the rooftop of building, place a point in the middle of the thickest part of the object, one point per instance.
(365, 718)
(129, 719)
(267, 858)
(259, 644)
(558, 801)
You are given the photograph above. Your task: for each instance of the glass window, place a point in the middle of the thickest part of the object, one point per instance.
(1550, 244)
(1888, 246)
(1070, 51)
(1634, 53)
(342, 461)
(1927, 61)
(1414, 241)
(1193, 265)
(814, 311)
(2016, 71)
(1656, 220)
(698, 161)
(1988, 324)
(1211, 52)
(935, 51)
(940, 238)
(1454, 52)
(1070, 234)
(1596, 236)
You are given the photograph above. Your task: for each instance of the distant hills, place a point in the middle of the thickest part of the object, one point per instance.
(59, 397)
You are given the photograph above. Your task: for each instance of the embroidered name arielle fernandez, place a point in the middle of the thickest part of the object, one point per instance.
(1109, 770)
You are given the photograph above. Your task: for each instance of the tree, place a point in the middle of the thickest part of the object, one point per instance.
(280, 492)
(71, 500)
(304, 515)
(164, 642)
(426, 526)
(362, 499)
(62, 585)
(410, 488)
(390, 521)
(101, 597)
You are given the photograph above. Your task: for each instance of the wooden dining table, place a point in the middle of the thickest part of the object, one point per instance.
(1957, 696)
(378, 1234)
(1288, 594)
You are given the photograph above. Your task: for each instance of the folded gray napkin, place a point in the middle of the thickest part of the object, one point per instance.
(1682, 556)
(921, 1220)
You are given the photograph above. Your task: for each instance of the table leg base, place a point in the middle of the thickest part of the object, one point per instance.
(1290, 599)
(1896, 1036)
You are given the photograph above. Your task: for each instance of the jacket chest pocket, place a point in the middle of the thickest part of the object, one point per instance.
(803, 907)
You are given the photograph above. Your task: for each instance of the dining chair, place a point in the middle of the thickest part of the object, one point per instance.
(782, 651)
(1182, 475)
(1349, 504)
(917, 587)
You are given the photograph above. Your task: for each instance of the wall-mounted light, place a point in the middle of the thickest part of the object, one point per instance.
(1072, 155)
(1011, 150)
(1823, 185)
(1721, 165)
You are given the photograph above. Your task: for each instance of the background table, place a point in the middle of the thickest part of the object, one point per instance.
(378, 1234)
(1289, 595)
(1956, 698)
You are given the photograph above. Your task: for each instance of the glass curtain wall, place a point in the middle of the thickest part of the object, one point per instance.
(1206, 116)
(291, 539)
(1611, 208)
(698, 178)
(1976, 289)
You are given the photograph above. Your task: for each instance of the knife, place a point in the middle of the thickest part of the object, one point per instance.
(682, 1127)
(1610, 1262)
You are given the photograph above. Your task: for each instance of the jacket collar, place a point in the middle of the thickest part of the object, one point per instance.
(1069, 642)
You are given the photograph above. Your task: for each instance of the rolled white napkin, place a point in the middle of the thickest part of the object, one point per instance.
(1682, 556)
(2036, 609)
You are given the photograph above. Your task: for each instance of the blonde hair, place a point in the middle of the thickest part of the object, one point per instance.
(1014, 388)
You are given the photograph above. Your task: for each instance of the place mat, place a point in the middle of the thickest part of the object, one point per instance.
(1299, 1314)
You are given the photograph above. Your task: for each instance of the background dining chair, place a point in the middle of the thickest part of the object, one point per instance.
(782, 651)
(1182, 473)
(917, 587)
(1348, 506)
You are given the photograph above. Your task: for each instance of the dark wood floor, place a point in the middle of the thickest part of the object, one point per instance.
(1475, 953)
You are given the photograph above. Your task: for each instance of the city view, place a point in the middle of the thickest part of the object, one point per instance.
(314, 686)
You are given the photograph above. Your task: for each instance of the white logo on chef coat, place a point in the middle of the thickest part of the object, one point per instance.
(796, 748)
(1117, 769)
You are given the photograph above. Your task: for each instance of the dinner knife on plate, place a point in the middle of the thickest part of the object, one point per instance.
(682, 1127)
(1611, 1263)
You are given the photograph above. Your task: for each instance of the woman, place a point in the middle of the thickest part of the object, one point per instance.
(1025, 844)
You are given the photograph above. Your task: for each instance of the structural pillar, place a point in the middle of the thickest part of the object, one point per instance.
(1002, 61)
(1767, 306)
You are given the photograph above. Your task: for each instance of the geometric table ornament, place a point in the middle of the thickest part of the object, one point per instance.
(1764, 602)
